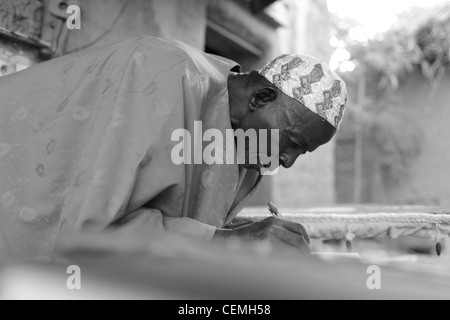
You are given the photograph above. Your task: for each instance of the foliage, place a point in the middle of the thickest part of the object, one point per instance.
(419, 41)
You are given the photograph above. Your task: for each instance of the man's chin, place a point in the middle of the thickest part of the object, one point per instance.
(262, 170)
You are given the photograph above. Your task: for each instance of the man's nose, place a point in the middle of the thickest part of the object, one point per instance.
(287, 161)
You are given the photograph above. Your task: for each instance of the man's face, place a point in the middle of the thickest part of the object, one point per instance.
(300, 130)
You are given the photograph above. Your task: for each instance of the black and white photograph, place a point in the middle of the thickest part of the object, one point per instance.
(224, 158)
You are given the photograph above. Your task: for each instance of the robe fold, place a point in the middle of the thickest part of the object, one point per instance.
(86, 143)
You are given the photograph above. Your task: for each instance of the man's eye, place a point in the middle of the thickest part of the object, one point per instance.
(293, 145)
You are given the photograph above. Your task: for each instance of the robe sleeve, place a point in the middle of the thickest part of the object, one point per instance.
(151, 222)
(132, 163)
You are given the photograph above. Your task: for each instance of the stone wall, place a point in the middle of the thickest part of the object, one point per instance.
(15, 57)
(305, 29)
(24, 16)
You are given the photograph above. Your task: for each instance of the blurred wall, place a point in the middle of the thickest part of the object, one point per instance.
(429, 175)
(155, 18)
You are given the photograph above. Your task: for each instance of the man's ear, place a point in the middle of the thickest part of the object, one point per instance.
(262, 96)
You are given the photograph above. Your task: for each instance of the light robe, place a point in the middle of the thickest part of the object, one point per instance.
(85, 146)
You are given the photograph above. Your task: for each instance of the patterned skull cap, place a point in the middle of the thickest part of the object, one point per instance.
(311, 82)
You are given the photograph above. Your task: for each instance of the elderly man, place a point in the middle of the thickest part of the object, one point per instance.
(86, 142)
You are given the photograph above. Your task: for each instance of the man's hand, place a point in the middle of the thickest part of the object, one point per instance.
(277, 231)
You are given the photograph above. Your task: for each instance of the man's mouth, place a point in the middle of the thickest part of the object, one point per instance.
(253, 166)
(261, 164)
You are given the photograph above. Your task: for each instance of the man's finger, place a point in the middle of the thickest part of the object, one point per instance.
(302, 245)
(296, 228)
(292, 239)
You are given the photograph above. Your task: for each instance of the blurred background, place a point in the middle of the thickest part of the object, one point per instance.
(393, 146)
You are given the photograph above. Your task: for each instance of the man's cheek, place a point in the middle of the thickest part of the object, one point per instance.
(270, 153)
